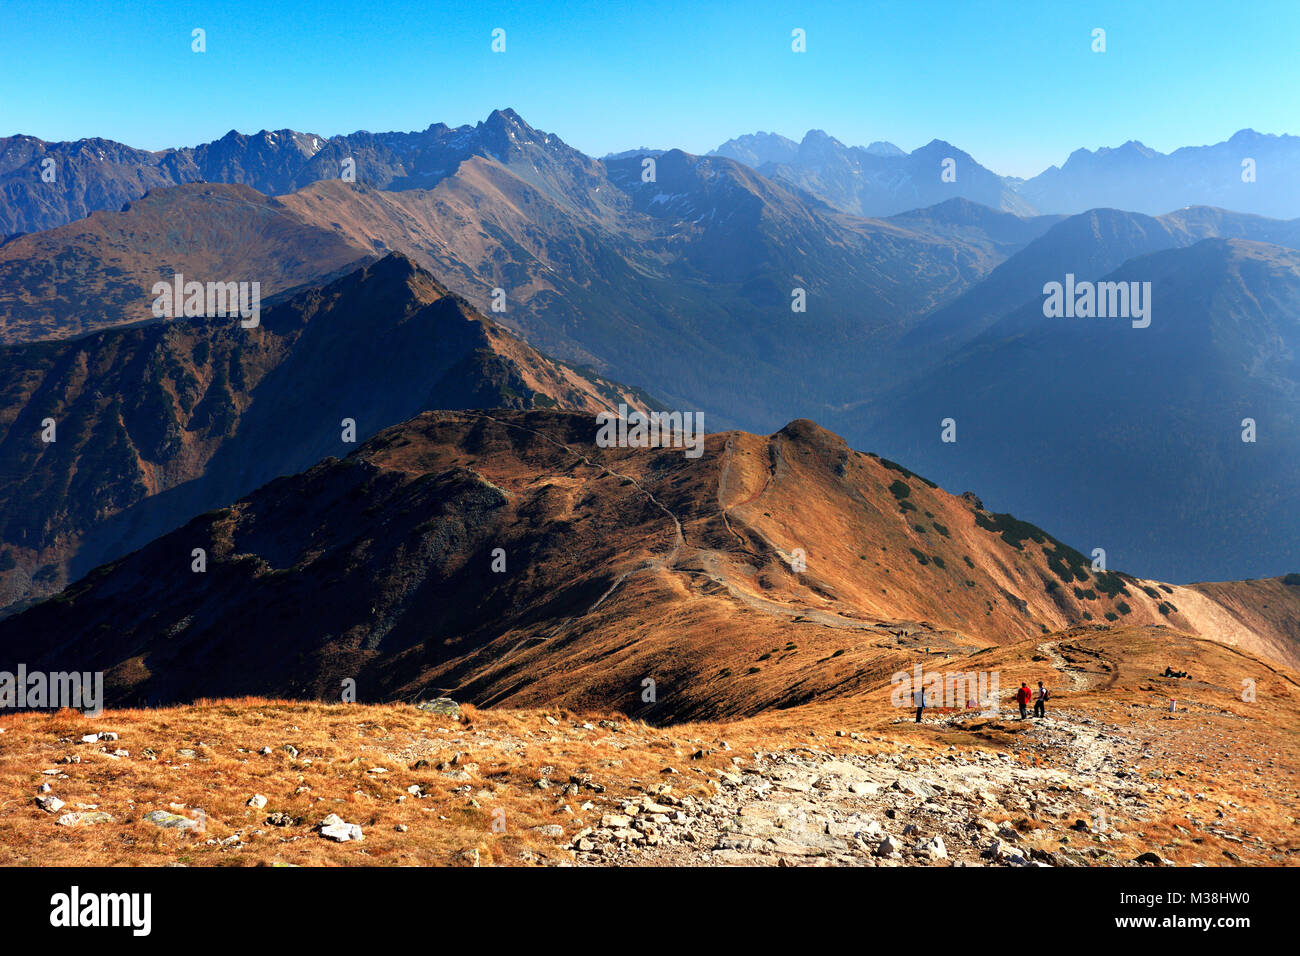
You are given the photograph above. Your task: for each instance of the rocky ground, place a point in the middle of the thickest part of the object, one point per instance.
(1116, 775)
(1064, 800)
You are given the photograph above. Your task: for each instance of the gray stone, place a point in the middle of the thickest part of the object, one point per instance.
(84, 819)
(170, 821)
(888, 849)
(935, 849)
(334, 828)
(441, 705)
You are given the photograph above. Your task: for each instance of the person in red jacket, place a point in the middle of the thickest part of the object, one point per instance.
(1023, 696)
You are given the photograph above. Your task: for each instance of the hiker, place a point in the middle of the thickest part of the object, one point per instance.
(920, 701)
(1022, 698)
(1040, 704)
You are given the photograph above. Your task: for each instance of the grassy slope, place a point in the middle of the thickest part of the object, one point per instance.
(1217, 757)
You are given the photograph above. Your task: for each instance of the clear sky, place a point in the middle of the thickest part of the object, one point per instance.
(1015, 84)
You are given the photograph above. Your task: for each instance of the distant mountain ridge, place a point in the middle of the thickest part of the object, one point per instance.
(1250, 172)
(879, 179)
(98, 174)
(598, 266)
(1139, 179)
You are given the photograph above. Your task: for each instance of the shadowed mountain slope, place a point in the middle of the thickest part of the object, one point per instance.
(771, 571)
(156, 423)
(1131, 439)
(1089, 246)
(687, 281)
(100, 271)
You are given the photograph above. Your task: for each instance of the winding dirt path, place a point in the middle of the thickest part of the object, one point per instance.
(1081, 681)
(714, 568)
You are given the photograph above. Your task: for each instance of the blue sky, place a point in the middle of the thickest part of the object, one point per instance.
(1014, 84)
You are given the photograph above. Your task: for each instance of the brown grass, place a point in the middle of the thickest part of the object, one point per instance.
(1226, 763)
(338, 745)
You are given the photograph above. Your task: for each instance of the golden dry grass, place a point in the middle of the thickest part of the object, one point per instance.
(505, 753)
(1221, 762)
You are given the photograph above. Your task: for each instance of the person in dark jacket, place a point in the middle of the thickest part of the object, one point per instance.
(1040, 700)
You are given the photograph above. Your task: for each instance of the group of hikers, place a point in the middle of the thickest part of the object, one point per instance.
(1023, 696)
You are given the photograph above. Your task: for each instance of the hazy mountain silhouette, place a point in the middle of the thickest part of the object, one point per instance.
(1129, 439)
(877, 180)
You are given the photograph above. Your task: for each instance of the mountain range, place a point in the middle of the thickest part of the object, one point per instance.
(686, 285)
(686, 282)
(1250, 172)
(875, 180)
(879, 179)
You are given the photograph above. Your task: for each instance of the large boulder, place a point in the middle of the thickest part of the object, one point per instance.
(441, 705)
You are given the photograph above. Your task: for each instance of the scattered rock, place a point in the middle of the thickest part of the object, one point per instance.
(84, 819)
(444, 706)
(170, 821)
(935, 848)
(333, 828)
(1154, 859)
